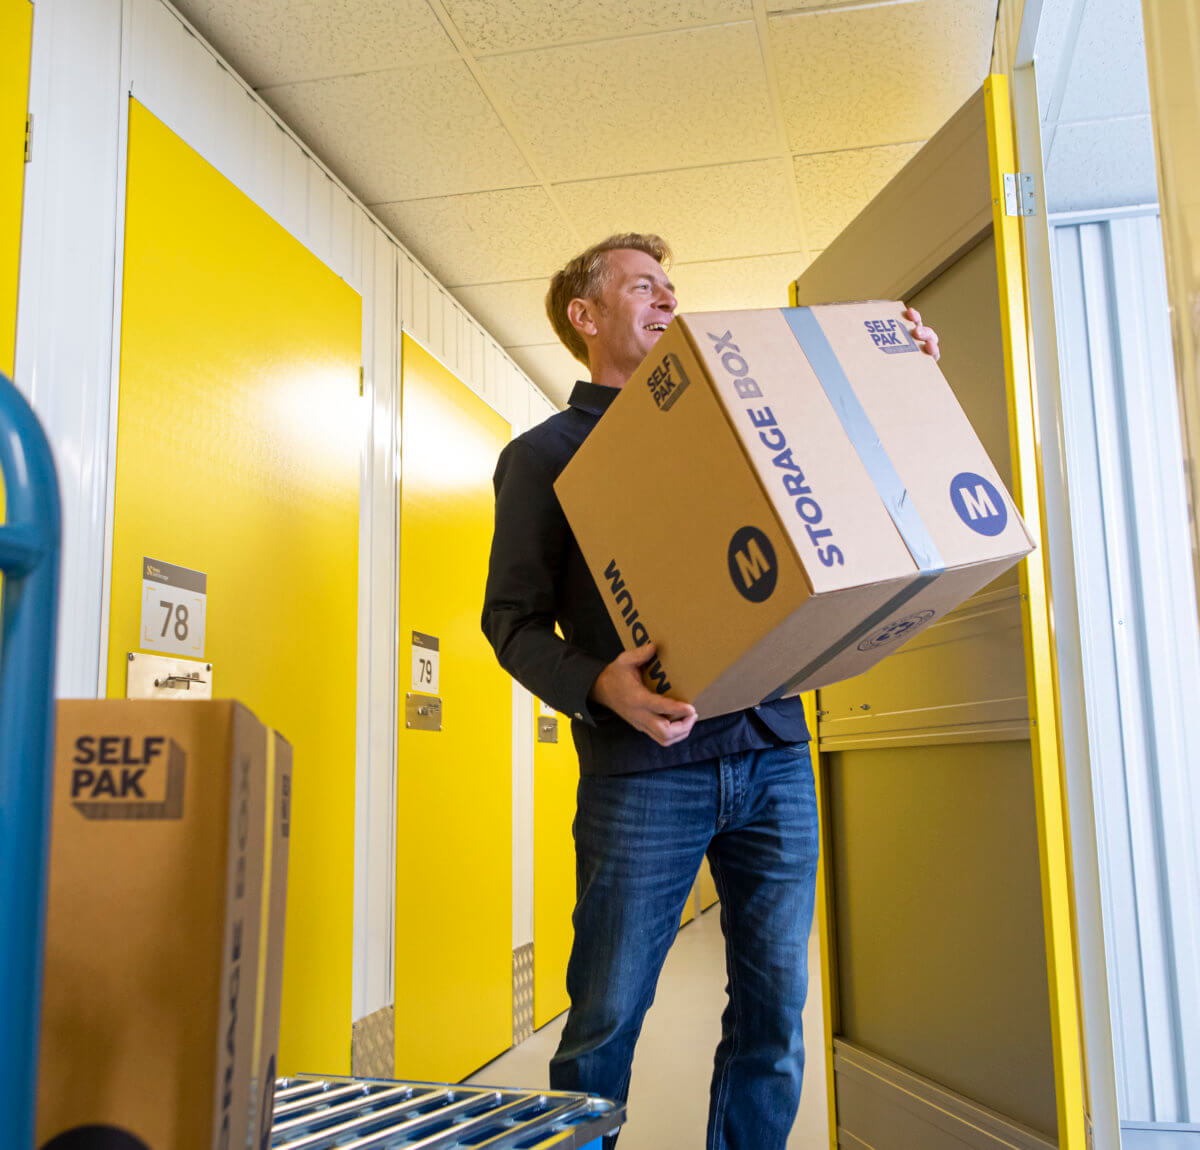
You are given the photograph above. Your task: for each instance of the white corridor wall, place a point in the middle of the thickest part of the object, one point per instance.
(89, 56)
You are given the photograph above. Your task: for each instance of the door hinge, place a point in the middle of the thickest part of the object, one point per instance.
(29, 137)
(361, 380)
(1019, 199)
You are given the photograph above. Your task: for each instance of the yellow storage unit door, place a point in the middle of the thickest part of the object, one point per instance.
(238, 439)
(16, 27)
(555, 781)
(454, 786)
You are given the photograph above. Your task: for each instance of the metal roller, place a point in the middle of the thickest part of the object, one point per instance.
(314, 1113)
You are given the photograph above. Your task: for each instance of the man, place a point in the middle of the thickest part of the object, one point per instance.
(658, 789)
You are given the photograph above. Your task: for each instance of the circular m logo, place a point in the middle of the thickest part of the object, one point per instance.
(896, 631)
(752, 564)
(979, 505)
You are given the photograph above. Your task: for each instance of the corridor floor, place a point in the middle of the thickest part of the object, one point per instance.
(668, 1098)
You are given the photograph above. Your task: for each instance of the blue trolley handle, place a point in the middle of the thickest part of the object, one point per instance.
(29, 557)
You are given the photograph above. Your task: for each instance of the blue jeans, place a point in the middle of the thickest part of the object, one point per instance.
(639, 840)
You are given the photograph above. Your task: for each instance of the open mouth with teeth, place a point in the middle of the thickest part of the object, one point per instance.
(656, 327)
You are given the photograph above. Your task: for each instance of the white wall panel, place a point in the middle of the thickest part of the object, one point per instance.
(66, 305)
(87, 59)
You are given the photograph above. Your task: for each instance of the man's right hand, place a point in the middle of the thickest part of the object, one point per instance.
(620, 688)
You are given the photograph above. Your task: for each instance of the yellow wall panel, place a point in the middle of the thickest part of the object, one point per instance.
(706, 887)
(555, 780)
(454, 787)
(16, 27)
(238, 439)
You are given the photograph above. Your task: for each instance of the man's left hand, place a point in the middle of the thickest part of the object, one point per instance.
(926, 337)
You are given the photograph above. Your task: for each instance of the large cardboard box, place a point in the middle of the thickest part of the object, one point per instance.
(780, 498)
(153, 926)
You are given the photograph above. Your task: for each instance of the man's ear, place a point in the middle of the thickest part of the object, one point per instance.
(582, 314)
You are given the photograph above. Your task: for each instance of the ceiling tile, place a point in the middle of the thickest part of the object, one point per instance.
(1105, 164)
(836, 186)
(732, 285)
(880, 75)
(421, 131)
(678, 99)
(514, 312)
(281, 41)
(703, 213)
(551, 367)
(1108, 71)
(504, 25)
(483, 238)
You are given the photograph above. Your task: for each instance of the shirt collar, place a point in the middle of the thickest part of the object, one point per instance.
(592, 397)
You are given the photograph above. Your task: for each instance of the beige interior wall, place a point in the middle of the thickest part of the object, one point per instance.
(940, 962)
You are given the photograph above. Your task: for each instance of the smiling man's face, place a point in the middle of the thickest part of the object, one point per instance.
(636, 305)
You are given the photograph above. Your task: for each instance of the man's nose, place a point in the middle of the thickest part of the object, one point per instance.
(666, 299)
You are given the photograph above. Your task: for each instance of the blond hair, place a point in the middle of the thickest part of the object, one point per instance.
(586, 276)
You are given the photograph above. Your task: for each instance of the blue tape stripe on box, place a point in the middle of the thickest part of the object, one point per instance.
(863, 437)
(865, 441)
(860, 632)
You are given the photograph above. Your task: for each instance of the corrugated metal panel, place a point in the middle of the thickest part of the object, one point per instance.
(1141, 648)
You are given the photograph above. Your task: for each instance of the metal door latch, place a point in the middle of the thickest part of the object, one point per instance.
(164, 677)
(422, 712)
(180, 682)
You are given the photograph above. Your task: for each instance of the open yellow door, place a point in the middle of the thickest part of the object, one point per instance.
(948, 951)
(454, 758)
(16, 27)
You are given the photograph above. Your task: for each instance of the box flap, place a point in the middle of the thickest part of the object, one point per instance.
(946, 476)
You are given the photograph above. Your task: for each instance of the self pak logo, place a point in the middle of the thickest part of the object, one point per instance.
(752, 565)
(890, 335)
(667, 382)
(979, 505)
(896, 631)
(125, 777)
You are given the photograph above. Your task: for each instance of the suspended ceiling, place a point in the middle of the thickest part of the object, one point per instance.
(497, 138)
(1094, 100)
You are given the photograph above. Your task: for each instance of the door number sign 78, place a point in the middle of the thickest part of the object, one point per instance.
(173, 608)
(178, 611)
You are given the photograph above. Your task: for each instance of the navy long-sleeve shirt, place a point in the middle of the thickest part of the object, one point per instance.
(537, 578)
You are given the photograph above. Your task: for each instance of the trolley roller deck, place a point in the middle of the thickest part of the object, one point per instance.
(319, 1113)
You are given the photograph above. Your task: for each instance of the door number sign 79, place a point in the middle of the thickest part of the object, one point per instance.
(425, 660)
(173, 608)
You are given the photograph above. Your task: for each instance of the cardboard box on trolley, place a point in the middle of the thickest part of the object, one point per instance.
(162, 959)
(780, 498)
